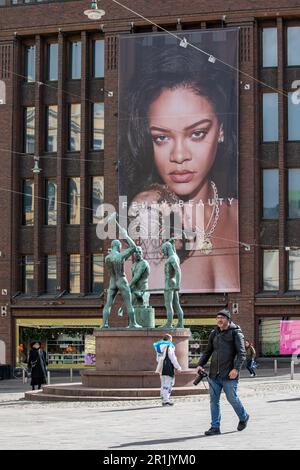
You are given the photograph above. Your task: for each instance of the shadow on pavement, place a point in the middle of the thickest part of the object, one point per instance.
(133, 409)
(169, 441)
(284, 399)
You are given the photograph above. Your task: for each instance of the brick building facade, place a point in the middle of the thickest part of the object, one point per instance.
(25, 24)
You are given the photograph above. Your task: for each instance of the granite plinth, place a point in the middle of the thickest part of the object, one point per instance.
(126, 358)
(125, 365)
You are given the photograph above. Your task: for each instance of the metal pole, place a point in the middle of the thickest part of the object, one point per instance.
(23, 376)
(292, 369)
(48, 377)
(71, 375)
(275, 366)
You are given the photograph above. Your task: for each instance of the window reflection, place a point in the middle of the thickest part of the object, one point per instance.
(51, 129)
(269, 43)
(50, 274)
(270, 194)
(28, 202)
(270, 270)
(98, 58)
(28, 274)
(97, 273)
(29, 129)
(294, 193)
(293, 119)
(75, 60)
(97, 196)
(98, 126)
(293, 44)
(51, 202)
(74, 274)
(270, 117)
(74, 201)
(294, 270)
(30, 63)
(74, 127)
(52, 62)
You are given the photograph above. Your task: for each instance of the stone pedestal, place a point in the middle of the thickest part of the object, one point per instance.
(126, 358)
(125, 365)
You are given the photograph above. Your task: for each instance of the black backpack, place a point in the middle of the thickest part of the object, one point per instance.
(168, 368)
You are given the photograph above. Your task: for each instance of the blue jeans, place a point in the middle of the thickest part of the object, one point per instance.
(230, 389)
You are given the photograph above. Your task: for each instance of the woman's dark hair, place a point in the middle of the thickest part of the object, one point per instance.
(170, 68)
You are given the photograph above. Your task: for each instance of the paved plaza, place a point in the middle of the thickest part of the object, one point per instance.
(272, 402)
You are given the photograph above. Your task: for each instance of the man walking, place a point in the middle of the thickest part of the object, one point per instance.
(226, 348)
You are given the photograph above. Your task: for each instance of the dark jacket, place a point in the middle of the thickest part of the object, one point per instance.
(227, 351)
(250, 353)
(37, 364)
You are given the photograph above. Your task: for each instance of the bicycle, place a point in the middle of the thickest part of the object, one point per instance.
(21, 371)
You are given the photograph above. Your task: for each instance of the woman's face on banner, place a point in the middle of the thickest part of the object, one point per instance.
(185, 132)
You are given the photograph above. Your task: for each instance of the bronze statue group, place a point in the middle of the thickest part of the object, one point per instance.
(137, 291)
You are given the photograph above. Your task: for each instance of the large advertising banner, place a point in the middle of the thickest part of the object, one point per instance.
(178, 153)
(290, 337)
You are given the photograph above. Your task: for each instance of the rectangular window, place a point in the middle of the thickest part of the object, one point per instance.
(294, 193)
(74, 128)
(97, 196)
(98, 126)
(293, 45)
(97, 274)
(27, 274)
(98, 58)
(74, 274)
(73, 201)
(51, 202)
(270, 270)
(293, 118)
(270, 194)
(270, 117)
(75, 63)
(269, 47)
(28, 202)
(51, 128)
(294, 270)
(29, 129)
(50, 275)
(29, 71)
(52, 73)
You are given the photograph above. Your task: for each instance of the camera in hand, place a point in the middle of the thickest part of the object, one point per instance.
(201, 375)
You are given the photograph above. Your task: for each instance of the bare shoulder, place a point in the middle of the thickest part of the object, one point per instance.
(230, 211)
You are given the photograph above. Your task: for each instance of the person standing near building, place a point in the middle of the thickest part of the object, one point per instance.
(167, 363)
(250, 358)
(37, 364)
(226, 347)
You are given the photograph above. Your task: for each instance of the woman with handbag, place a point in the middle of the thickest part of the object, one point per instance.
(37, 364)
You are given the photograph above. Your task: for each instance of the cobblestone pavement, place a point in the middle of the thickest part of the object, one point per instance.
(273, 404)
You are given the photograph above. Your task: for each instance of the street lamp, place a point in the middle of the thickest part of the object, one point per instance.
(94, 13)
(36, 168)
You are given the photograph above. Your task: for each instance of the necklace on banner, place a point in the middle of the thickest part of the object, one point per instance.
(207, 246)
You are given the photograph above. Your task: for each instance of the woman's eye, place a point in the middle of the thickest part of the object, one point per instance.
(199, 134)
(158, 139)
